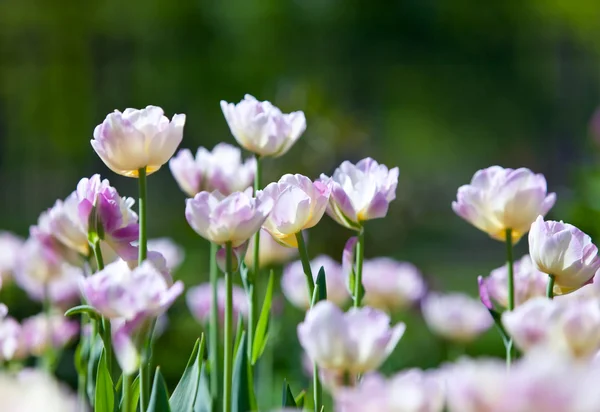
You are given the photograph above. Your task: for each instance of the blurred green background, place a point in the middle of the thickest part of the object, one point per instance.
(438, 88)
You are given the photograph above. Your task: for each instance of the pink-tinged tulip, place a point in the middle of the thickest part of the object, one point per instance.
(34, 390)
(499, 199)
(42, 332)
(360, 192)
(11, 346)
(410, 391)
(569, 326)
(299, 204)
(565, 252)
(221, 219)
(261, 128)
(293, 282)
(528, 281)
(270, 252)
(222, 170)
(199, 299)
(356, 342)
(10, 247)
(134, 139)
(171, 251)
(455, 316)
(389, 285)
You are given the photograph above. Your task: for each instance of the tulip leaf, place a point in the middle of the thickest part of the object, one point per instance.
(105, 391)
(184, 395)
(159, 398)
(240, 387)
(238, 335)
(261, 333)
(244, 275)
(83, 309)
(134, 393)
(299, 399)
(322, 294)
(203, 401)
(96, 350)
(287, 398)
(498, 322)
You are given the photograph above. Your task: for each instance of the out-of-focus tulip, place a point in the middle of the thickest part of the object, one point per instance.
(357, 341)
(221, 219)
(569, 326)
(11, 346)
(455, 316)
(129, 141)
(293, 282)
(298, 204)
(222, 170)
(528, 281)
(199, 299)
(171, 251)
(10, 247)
(42, 332)
(261, 128)
(34, 390)
(499, 199)
(565, 252)
(270, 252)
(360, 192)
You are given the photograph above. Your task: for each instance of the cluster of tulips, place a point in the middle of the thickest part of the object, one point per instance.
(101, 280)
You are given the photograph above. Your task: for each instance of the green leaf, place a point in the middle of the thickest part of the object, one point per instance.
(238, 335)
(244, 275)
(203, 401)
(260, 335)
(498, 321)
(105, 391)
(240, 389)
(300, 399)
(287, 396)
(322, 285)
(315, 296)
(184, 395)
(134, 394)
(84, 310)
(159, 398)
(96, 349)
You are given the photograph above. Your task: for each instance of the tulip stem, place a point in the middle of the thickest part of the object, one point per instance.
(550, 287)
(310, 282)
(510, 289)
(360, 254)
(318, 392)
(125, 401)
(252, 290)
(142, 253)
(106, 328)
(213, 330)
(228, 352)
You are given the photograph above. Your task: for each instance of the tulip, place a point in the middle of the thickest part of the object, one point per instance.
(360, 192)
(356, 342)
(293, 282)
(136, 139)
(171, 251)
(455, 316)
(270, 252)
(221, 219)
(42, 332)
(199, 299)
(389, 285)
(298, 204)
(529, 282)
(11, 346)
(563, 252)
(500, 199)
(570, 326)
(222, 170)
(261, 128)
(10, 246)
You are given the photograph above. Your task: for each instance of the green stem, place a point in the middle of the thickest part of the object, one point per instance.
(310, 282)
(550, 287)
(228, 351)
(252, 295)
(511, 275)
(126, 400)
(213, 330)
(142, 249)
(360, 254)
(49, 357)
(106, 328)
(317, 390)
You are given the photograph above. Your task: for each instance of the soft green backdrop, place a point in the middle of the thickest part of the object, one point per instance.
(438, 88)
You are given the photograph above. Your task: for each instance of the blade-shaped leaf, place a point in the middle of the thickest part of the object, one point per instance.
(105, 391)
(134, 392)
(159, 398)
(184, 395)
(299, 399)
(238, 335)
(260, 335)
(96, 349)
(83, 310)
(287, 398)
(240, 387)
(203, 401)
(322, 285)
